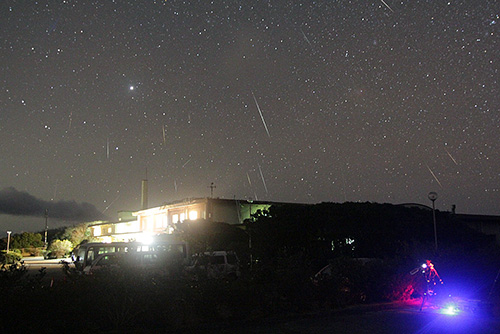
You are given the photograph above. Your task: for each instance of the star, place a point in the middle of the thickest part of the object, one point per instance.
(328, 105)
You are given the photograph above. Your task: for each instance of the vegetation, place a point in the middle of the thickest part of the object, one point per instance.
(74, 234)
(371, 249)
(11, 257)
(59, 248)
(26, 242)
(10, 276)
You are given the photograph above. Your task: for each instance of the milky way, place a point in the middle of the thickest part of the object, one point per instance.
(380, 101)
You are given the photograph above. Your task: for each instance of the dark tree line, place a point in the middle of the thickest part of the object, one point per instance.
(362, 230)
(23, 240)
(317, 234)
(310, 236)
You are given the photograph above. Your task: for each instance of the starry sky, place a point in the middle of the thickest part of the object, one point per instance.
(295, 101)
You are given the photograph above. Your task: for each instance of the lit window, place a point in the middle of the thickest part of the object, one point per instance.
(97, 231)
(193, 215)
(175, 218)
(110, 229)
(183, 217)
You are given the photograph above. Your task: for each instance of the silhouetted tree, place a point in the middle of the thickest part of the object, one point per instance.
(26, 240)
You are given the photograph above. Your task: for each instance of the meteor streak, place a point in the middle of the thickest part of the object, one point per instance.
(249, 182)
(261, 117)
(387, 5)
(70, 120)
(262, 176)
(106, 209)
(434, 175)
(451, 157)
(55, 191)
(305, 37)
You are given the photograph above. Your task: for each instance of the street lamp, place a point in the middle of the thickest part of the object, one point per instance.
(8, 240)
(46, 227)
(250, 233)
(433, 197)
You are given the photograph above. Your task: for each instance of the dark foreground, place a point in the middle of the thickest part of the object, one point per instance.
(109, 304)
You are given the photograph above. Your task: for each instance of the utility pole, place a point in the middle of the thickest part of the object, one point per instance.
(46, 226)
(8, 240)
(249, 228)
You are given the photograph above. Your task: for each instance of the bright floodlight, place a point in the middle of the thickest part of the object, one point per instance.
(450, 310)
(146, 239)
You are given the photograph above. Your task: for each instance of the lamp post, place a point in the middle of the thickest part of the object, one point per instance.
(433, 197)
(250, 233)
(8, 240)
(46, 227)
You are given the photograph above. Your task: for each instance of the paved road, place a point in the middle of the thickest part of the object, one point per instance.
(375, 319)
(395, 321)
(53, 267)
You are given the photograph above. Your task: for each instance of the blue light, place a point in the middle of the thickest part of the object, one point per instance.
(450, 309)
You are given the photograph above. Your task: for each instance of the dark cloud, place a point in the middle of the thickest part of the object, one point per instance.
(20, 203)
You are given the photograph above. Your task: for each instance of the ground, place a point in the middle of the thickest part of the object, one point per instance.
(402, 317)
(373, 319)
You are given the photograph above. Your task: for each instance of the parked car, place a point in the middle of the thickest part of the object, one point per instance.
(103, 261)
(215, 265)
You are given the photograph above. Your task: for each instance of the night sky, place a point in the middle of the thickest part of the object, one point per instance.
(295, 101)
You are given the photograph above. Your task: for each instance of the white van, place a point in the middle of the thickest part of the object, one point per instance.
(149, 262)
(84, 255)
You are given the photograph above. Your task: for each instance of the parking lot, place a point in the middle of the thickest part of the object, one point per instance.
(53, 268)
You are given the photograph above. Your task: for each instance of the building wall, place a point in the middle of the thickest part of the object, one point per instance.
(162, 219)
(235, 211)
(225, 211)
